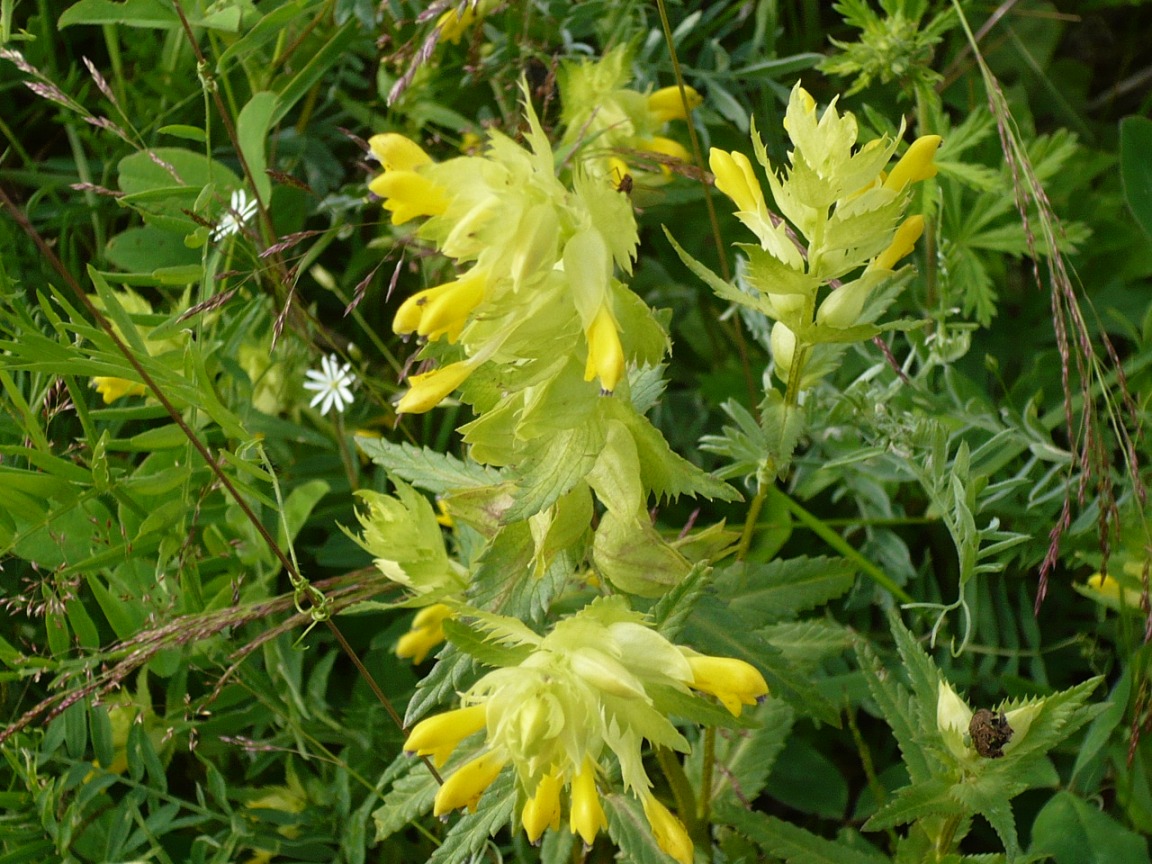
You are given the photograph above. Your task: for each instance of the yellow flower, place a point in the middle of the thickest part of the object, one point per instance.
(586, 816)
(467, 784)
(405, 191)
(736, 179)
(903, 242)
(734, 682)
(427, 390)
(113, 388)
(443, 310)
(437, 736)
(398, 153)
(1107, 587)
(666, 104)
(426, 632)
(452, 24)
(670, 834)
(542, 810)
(605, 353)
(916, 164)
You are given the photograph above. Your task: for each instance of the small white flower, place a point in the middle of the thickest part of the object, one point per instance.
(240, 210)
(332, 384)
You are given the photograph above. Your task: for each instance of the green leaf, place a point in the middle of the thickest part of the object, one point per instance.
(409, 798)
(472, 831)
(329, 54)
(1136, 168)
(148, 249)
(560, 461)
(475, 642)
(298, 506)
(161, 195)
(673, 610)
(252, 131)
(151, 14)
(452, 673)
(784, 587)
(789, 842)
(425, 468)
(749, 755)
(1073, 831)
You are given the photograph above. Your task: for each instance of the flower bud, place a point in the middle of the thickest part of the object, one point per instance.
(783, 342)
(605, 353)
(736, 179)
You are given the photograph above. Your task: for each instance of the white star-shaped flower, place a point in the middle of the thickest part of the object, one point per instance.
(332, 384)
(240, 210)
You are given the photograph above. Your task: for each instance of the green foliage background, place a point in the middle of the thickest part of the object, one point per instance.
(138, 578)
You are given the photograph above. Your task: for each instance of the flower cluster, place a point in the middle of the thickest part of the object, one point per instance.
(585, 692)
(843, 212)
(536, 261)
(616, 121)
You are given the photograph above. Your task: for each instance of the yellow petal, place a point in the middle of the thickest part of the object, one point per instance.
(605, 353)
(397, 153)
(464, 788)
(542, 810)
(666, 103)
(426, 391)
(736, 179)
(903, 242)
(670, 834)
(916, 164)
(453, 25)
(408, 195)
(734, 682)
(437, 736)
(586, 816)
(114, 388)
(426, 632)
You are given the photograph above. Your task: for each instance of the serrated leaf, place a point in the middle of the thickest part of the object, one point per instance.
(898, 708)
(483, 648)
(674, 609)
(746, 757)
(471, 831)
(449, 676)
(409, 798)
(933, 796)
(425, 468)
(789, 842)
(808, 642)
(717, 629)
(559, 462)
(784, 587)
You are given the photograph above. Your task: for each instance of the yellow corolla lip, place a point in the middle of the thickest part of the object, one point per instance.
(734, 682)
(667, 104)
(398, 153)
(429, 389)
(605, 353)
(670, 834)
(437, 736)
(409, 195)
(542, 810)
(736, 179)
(468, 783)
(112, 388)
(903, 242)
(586, 816)
(916, 164)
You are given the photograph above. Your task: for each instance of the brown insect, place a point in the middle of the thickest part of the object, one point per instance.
(989, 731)
(625, 184)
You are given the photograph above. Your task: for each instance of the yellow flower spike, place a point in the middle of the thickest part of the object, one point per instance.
(437, 736)
(542, 810)
(397, 153)
(736, 179)
(670, 834)
(408, 195)
(464, 788)
(916, 164)
(605, 353)
(429, 389)
(903, 242)
(666, 104)
(426, 632)
(734, 682)
(586, 816)
(115, 388)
